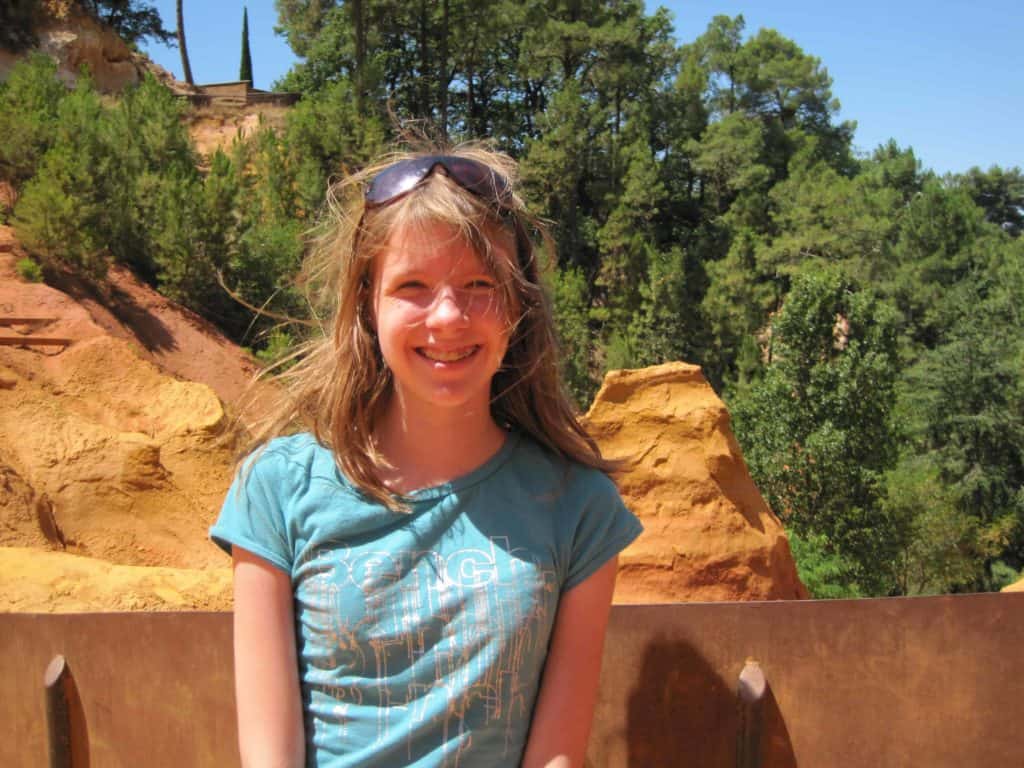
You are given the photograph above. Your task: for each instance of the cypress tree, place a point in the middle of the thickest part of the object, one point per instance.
(245, 69)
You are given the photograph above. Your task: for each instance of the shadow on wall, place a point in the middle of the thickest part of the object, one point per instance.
(668, 726)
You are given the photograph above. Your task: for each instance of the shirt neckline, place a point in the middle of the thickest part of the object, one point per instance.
(471, 478)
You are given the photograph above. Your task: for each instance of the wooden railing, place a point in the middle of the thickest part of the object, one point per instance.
(932, 681)
(7, 321)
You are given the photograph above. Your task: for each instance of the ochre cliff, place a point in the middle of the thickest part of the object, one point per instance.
(109, 447)
(74, 39)
(708, 534)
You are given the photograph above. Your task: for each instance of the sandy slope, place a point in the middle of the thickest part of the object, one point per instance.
(111, 448)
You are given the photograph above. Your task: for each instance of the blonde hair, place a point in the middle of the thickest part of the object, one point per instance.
(340, 383)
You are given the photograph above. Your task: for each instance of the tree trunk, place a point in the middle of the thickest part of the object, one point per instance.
(442, 73)
(423, 86)
(181, 45)
(359, 76)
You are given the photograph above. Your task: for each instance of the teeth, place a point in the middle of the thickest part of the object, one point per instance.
(449, 356)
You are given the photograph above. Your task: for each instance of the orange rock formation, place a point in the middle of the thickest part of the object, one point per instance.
(110, 465)
(1017, 586)
(708, 534)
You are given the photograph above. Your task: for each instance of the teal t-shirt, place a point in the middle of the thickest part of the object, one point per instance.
(421, 636)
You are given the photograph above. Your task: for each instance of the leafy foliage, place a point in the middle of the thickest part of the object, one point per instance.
(29, 271)
(824, 571)
(29, 102)
(817, 429)
(133, 20)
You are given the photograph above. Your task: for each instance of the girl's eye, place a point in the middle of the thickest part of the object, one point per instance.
(409, 285)
(480, 284)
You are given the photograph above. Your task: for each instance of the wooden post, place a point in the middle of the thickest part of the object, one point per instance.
(751, 693)
(56, 680)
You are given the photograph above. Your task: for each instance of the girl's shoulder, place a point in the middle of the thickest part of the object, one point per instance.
(539, 467)
(296, 458)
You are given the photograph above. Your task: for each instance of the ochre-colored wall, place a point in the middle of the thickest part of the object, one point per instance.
(913, 681)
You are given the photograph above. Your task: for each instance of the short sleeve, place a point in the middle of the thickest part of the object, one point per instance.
(252, 516)
(604, 529)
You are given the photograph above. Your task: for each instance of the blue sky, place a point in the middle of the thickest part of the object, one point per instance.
(945, 77)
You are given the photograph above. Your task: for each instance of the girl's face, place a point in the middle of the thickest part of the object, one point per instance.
(440, 321)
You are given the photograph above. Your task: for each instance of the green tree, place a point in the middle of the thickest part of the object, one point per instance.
(940, 546)
(1000, 193)
(963, 401)
(571, 301)
(30, 100)
(935, 249)
(61, 214)
(824, 571)
(628, 239)
(326, 129)
(149, 154)
(817, 430)
(133, 20)
(554, 175)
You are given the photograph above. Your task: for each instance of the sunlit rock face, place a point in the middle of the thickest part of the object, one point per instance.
(112, 465)
(1017, 586)
(74, 40)
(708, 533)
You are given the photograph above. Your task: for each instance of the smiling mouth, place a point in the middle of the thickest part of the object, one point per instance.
(448, 355)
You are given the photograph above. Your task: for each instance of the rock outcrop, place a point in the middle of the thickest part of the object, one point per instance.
(218, 126)
(708, 533)
(74, 39)
(112, 465)
(1017, 586)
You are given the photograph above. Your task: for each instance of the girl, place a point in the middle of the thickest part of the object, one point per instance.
(424, 577)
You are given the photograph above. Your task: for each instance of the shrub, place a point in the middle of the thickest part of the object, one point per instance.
(64, 213)
(29, 101)
(29, 270)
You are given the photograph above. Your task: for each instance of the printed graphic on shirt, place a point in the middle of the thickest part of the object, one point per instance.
(418, 636)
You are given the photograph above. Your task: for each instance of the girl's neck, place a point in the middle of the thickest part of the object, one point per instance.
(426, 449)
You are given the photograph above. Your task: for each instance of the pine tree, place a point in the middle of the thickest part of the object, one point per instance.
(245, 68)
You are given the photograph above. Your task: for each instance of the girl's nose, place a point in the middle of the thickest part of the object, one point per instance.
(447, 310)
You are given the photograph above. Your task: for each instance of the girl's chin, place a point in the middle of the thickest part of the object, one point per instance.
(460, 401)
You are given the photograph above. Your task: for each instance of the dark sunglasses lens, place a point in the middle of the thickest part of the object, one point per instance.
(398, 179)
(478, 178)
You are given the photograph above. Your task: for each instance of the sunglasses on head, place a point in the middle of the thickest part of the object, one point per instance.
(404, 176)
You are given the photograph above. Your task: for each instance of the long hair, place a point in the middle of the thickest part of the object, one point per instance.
(340, 384)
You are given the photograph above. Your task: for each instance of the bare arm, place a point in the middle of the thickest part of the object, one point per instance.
(270, 730)
(568, 692)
